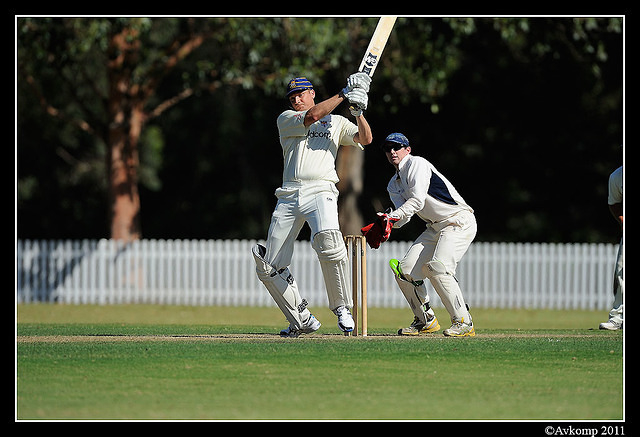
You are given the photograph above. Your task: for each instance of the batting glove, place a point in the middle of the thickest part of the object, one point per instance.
(359, 80)
(358, 101)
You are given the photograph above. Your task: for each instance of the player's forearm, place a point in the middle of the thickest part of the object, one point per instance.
(322, 109)
(364, 135)
(407, 210)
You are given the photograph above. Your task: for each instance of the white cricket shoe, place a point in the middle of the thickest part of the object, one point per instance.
(311, 325)
(460, 329)
(345, 319)
(611, 325)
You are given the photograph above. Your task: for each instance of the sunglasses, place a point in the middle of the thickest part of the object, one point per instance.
(389, 146)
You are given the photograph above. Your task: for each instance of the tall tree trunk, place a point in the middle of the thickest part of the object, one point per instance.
(349, 165)
(122, 166)
(126, 118)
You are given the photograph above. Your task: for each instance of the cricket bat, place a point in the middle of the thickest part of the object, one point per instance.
(376, 45)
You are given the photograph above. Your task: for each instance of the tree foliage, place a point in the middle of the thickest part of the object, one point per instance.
(524, 115)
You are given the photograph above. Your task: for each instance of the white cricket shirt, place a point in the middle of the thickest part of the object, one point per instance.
(418, 188)
(310, 153)
(615, 187)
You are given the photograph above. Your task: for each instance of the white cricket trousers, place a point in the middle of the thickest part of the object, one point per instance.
(315, 203)
(443, 243)
(617, 312)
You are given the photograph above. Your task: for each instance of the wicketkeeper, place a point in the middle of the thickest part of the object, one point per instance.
(417, 188)
(310, 136)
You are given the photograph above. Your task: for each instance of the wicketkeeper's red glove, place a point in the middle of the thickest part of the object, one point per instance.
(379, 231)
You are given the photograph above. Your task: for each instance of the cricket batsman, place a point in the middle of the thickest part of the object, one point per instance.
(310, 137)
(417, 188)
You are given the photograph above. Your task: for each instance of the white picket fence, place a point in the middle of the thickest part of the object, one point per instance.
(222, 273)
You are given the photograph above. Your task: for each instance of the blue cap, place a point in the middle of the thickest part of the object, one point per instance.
(397, 138)
(298, 84)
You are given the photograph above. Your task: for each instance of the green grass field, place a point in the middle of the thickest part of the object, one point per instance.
(142, 362)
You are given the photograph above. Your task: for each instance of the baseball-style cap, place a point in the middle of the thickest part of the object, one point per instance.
(397, 138)
(298, 84)
(395, 141)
